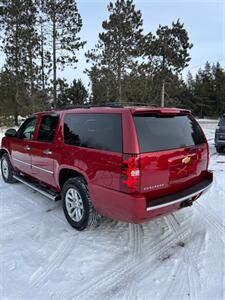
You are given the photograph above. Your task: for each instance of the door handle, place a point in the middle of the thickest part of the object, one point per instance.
(47, 152)
(27, 148)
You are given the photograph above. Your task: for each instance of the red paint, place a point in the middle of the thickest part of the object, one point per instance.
(165, 167)
(117, 190)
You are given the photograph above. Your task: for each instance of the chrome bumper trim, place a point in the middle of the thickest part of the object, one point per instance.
(178, 200)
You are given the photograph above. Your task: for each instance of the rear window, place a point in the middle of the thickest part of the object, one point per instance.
(157, 133)
(97, 131)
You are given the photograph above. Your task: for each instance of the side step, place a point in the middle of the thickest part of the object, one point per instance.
(44, 191)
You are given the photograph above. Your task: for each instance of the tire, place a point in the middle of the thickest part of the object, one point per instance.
(77, 206)
(7, 169)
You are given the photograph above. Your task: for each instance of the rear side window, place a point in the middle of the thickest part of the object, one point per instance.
(157, 133)
(97, 131)
(47, 128)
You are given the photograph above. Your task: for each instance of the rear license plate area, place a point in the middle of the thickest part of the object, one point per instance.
(182, 171)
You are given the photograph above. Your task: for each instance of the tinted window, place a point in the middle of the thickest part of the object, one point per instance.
(26, 131)
(156, 133)
(222, 122)
(98, 131)
(47, 128)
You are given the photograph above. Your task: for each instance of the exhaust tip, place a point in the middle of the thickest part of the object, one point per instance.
(186, 203)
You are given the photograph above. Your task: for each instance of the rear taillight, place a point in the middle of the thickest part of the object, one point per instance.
(130, 173)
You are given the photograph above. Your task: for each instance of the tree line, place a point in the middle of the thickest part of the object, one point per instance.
(40, 37)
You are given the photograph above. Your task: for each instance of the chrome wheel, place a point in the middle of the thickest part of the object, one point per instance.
(5, 168)
(74, 204)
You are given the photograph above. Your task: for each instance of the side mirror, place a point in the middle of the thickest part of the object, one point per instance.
(11, 132)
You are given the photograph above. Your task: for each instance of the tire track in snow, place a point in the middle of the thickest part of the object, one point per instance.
(11, 221)
(176, 288)
(115, 276)
(130, 291)
(193, 259)
(40, 206)
(191, 256)
(181, 233)
(15, 218)
(174, 225)
(135, 240)
(40, 276)
(212, 220)
(135, 244)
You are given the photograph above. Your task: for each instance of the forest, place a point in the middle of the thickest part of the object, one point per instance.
(39, 38)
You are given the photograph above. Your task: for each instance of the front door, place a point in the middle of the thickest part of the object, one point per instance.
(22, 145)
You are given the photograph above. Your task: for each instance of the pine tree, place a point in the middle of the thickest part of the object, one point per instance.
(120, 44)
(203, 91)
(8, 90)
(32, 46)
(64, 23)
(104, 85)
(7, 94)
(218, 89)
(20, 44)
(74, 94)
(44, 53)
(169, 50)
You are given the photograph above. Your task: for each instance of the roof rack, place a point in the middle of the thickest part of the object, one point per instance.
(74, 106)
(108, 104)
(123, 104)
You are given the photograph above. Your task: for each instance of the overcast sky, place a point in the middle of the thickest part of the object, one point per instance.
(204, 21)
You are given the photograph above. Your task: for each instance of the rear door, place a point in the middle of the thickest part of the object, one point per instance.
(22, 145)
(173, 153)
(42, 153)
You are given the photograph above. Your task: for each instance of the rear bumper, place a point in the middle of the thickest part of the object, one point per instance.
(137, 209)
(189, 194)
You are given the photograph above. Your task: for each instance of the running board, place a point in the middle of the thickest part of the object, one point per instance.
(45, 192)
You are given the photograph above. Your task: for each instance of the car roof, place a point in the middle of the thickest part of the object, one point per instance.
(134, 109)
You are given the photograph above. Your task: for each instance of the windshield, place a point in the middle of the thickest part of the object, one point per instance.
(157, 133)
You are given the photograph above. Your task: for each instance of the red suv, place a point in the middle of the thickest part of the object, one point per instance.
(126, 163)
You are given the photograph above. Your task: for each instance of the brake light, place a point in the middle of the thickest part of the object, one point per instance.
(130, 173)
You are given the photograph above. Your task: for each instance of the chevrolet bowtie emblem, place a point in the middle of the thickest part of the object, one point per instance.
(186, 160)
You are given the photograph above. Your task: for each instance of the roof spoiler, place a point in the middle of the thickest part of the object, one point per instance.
(162, 111)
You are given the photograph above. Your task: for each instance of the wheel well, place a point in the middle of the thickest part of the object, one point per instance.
(66, 174)
(2, 151)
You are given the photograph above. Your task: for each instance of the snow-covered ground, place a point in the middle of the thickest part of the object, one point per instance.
(180, 256)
